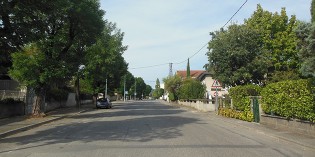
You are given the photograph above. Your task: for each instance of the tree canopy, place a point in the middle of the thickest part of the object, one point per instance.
(57, 37)
(260, 50)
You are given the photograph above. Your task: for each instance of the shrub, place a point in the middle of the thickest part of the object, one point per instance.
(246, 115)
(290, 99)
(240, 95)
(192, 89)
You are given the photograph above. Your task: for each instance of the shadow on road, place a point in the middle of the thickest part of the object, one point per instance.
(131, 122)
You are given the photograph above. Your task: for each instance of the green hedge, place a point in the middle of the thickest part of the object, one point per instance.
(290, 99)
(240, 96)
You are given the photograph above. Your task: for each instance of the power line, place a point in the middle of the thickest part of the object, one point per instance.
(235, 13)
(151, 66)
(221, 27)
(200, 48)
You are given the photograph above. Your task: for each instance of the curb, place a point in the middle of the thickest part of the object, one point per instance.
(29, 127)
(279, 138)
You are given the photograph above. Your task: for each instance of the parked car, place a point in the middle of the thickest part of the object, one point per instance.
(103, 103)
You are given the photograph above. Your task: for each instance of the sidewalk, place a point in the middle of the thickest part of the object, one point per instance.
(14, 125)
(280, 135)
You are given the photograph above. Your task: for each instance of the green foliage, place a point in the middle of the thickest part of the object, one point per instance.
(305, 33)
(148, 90)
(313, 10)
(171, 96)
(57, 94)
(58, 34)
(191, 89)
(104, 60)
(172, 85)
(278, 76)
(232, 113)
(235, 56)
(290, 99)
(240, 95)
(139, 86)
(278, 36)
(128, 80)
(157, 84)
(157, 93)
(188, 69)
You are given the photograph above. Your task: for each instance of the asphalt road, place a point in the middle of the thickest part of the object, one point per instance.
(145, 129)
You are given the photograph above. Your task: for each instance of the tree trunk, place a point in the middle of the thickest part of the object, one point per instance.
(77, 91)
(39, 101)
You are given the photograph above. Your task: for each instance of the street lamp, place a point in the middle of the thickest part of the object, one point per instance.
(81, 67)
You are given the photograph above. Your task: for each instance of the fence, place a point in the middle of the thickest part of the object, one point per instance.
(16, 95)
(201, 105)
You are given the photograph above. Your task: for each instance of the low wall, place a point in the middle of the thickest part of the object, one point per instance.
(12, 110)
(204, 106)
(299, 126)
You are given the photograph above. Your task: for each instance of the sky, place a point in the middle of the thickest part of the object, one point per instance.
(159, 32)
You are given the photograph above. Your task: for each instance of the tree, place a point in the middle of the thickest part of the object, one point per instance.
(158, 92)
(235, 56)
(278, 36)
(157, 84)
(128, 80)
(191, 89)
(138, 88)
(104, 60)
(148, 90)
(66, 32)
(313, 11)
(188, 69)
(306, 45)
(172, 85)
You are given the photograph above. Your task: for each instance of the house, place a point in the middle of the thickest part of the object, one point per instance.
(205, 78)
(193, 73)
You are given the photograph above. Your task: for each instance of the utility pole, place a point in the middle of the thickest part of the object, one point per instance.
(135, 89)
(125, 88)
(106, 89)
(170, 69)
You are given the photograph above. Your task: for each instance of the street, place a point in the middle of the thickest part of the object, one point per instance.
(145, 129)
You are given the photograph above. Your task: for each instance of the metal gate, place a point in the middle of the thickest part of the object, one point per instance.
(256, 109)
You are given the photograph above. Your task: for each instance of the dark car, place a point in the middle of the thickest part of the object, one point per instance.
(103, 103)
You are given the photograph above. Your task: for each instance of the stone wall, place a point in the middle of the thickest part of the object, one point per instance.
(294, 125)
(12, 110)
(204, 106)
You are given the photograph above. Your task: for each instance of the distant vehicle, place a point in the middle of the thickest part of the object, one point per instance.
(103, 103)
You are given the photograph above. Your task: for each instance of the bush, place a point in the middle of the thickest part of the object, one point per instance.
(192, 89)
(171, 96)
(246, 115)
(290, 99)
(240, 96)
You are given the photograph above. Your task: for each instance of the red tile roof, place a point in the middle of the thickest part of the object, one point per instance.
(193, 73)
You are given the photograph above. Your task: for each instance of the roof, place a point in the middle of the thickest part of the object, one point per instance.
(193, 73)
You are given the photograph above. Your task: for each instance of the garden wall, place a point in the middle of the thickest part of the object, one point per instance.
(294, 125)
(12, 110)
(204, 106)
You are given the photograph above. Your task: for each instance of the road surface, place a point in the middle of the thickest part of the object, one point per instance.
(145, 129)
